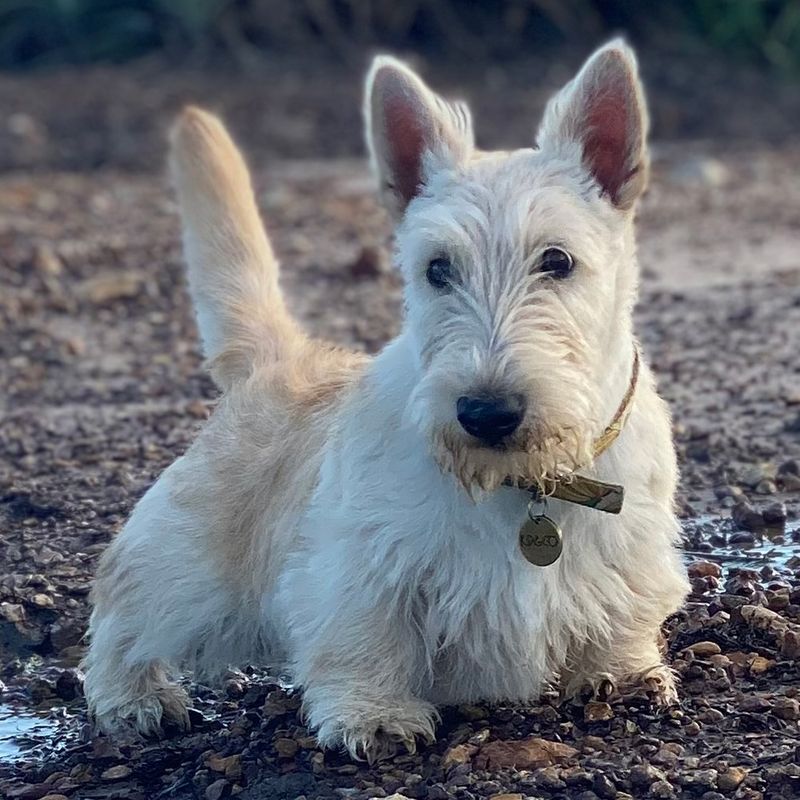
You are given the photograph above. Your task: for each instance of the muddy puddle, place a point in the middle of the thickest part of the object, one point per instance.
(713, 538)
(23, 732)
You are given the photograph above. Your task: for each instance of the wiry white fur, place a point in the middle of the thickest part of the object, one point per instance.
(333, 514)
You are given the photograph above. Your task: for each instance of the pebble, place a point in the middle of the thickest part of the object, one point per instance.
(746, 517)
(460, 754)
(287, 748)
(705, 649)
(218, 790)
(603, 786)
(596, 711)
(69, 685)
(766, 487)
(530, 753)
(753, 474)
(704, 569)
(701, 779)
(774, 514)
(661, 790)
(786, 708)
(643, 775)
(730, 780)
(117, 773)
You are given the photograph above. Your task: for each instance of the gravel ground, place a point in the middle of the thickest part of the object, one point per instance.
(103, 388)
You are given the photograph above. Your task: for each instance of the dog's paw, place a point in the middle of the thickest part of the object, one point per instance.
(658, 684)
(601, 686)
(148, 715)
(381, 734)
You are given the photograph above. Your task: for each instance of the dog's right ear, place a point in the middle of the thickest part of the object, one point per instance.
(410, 131)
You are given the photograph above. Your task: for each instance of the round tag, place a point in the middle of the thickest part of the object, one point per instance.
(540, 540)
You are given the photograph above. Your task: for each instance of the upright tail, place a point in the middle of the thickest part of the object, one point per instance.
(233, 273)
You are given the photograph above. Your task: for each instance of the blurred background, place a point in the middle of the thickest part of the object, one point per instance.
(93, 79)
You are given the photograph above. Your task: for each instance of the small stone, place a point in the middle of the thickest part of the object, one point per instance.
(644, 774)
(729, 781)
(530, 753)
(604, 787)
(472, 712)
(662, 790)
(692, 729)
(116, 773)
(593, 743)
(704, 569)
(774, 514)
(218, 790)
(41, 600)
(786, 708)
(506, 796)
(746, 518)
(790, 644)
(705, 649)
(307, 742)
(753, 474)
(27, 791)
(68, 685)
(596, 711)
(46, 261)
(790, 467)
(790, 483)
(12, 612)
(701, 779)
(766, 487)
(111, 287)
(460, 754)
(287, 748)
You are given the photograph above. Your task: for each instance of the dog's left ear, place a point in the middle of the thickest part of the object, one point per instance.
(601, 118)
(410, 131)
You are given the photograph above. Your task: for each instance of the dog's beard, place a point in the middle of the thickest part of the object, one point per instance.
(534, 456)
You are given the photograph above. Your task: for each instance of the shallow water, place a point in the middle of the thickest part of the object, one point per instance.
(21, 730)
(708, 537)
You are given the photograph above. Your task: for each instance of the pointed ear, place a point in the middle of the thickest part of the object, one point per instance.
(410, 130)
(601, 116)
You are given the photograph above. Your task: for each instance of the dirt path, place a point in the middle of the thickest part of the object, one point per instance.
(102, 388)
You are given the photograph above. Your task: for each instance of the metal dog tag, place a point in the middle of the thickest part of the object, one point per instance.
(540, 538)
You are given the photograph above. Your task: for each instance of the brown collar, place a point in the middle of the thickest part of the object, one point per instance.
(578, 488)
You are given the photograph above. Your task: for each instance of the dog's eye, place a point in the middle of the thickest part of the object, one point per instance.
(440, 273)
(557, 262)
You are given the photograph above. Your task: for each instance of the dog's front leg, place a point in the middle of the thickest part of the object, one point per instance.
(629, 664)
(372, 721)
(361, 670)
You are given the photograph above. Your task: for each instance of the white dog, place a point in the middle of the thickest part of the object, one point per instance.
(359, 519)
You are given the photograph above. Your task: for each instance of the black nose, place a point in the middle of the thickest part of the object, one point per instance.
(490, 419)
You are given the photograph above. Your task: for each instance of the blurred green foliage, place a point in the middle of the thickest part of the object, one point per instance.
(34, 32)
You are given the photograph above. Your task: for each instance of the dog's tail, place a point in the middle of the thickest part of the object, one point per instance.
(233, 273)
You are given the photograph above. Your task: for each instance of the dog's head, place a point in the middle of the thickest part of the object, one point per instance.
(519, 266)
